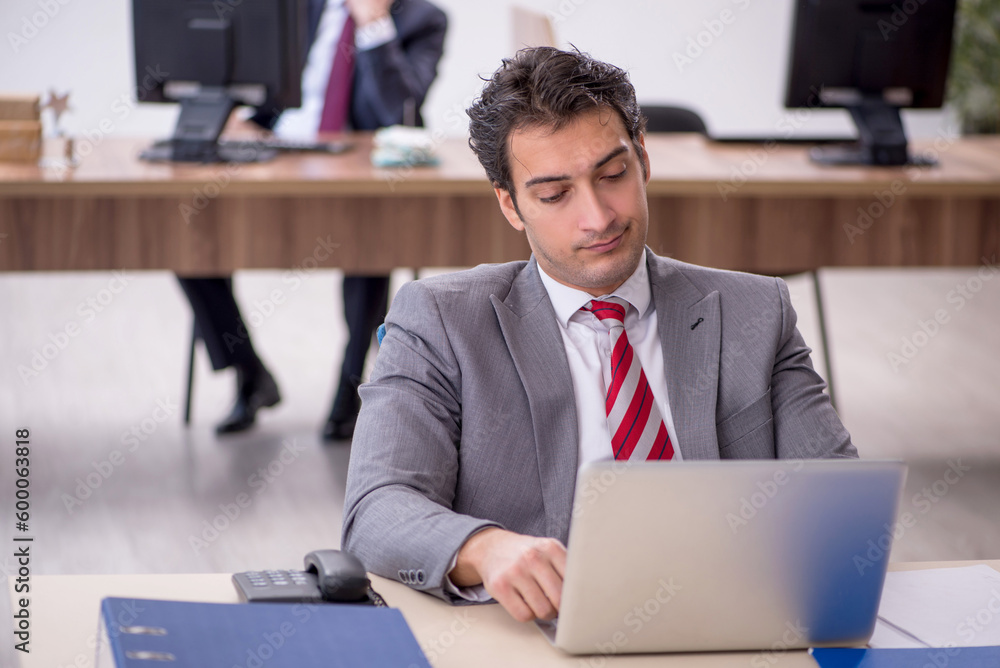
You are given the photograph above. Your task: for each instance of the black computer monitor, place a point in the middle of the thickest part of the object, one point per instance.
(210, 55)
(872, 57)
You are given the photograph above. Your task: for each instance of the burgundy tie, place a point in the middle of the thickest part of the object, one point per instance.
(338, 88)
(637, 429)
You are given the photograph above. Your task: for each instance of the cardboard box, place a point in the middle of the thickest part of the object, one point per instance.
(19, 107)
(20, 141)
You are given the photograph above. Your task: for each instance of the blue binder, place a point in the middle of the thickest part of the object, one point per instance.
(139, 633)
(952, 657)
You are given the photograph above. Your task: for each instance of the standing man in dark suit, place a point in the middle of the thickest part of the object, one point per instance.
(370, 65)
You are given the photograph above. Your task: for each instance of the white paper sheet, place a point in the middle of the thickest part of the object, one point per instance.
(940, 606)
(887, 636)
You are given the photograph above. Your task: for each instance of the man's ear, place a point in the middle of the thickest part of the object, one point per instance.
(645, 157)
(508, 209)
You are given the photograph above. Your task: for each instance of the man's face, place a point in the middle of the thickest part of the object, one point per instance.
(582, 194)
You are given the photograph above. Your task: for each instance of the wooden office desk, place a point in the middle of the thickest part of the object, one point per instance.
(64, 611)
(740, 206)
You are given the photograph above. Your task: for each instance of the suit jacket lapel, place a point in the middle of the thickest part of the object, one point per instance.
(314, 14)
(690, 328)
(529, 326)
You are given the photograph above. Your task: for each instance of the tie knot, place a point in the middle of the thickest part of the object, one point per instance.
(610, 311)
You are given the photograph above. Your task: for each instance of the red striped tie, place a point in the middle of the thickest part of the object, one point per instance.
(338, 88)
(637, 429)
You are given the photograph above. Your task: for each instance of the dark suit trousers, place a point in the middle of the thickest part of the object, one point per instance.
(365, 302)
(219, 322)
(227, 339)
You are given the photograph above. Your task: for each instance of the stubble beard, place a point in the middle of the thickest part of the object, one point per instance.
(588, 277)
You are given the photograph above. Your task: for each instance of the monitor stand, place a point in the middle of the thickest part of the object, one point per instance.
(196, 136)
(881, 139)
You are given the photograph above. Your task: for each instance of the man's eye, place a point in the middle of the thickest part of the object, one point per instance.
(552, 199)
(615, 177)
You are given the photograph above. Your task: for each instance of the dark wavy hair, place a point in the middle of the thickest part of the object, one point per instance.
(547, 87)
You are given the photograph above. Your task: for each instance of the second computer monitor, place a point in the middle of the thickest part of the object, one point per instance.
(872, 57)
(210, 55)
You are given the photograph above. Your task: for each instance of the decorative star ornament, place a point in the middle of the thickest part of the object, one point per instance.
(59, 104)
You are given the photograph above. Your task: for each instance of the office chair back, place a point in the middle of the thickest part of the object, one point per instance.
(672, 119)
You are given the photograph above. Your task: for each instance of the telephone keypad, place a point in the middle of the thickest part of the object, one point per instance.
(278, 586)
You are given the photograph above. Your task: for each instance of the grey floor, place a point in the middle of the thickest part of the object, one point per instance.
(119, 485)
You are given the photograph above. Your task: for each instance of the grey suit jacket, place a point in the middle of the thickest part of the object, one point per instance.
(469, 420)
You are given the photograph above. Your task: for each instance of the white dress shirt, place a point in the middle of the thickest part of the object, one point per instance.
(588, 350)
(302, 123)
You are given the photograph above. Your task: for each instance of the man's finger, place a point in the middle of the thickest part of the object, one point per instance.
(540, 605)
(513, 603)
(550, 581)
(559, 562)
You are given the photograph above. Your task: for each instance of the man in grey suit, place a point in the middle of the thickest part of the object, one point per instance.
(488, 393)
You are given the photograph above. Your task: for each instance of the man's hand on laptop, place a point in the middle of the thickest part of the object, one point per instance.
(523, 573)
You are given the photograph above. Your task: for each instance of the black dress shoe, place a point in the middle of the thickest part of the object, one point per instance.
(255, 390)
(339, 430)
(344, 413)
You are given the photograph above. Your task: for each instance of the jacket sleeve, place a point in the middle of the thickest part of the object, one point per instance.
(404, 466)
(398, 74)
(805, 422)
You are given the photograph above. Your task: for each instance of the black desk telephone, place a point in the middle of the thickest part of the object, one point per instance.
(331, 576)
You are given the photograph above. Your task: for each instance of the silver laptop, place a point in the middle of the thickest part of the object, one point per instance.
(747, 555)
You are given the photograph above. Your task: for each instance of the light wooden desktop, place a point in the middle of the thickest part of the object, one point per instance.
(755, 207)
(64, 611)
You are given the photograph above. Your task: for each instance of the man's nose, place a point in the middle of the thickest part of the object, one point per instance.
(595, 214)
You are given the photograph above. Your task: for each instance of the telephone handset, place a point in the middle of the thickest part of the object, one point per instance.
(330, 576)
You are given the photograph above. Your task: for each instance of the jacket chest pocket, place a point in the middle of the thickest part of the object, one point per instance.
(748, 434)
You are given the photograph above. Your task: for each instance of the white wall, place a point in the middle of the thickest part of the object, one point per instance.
(735, 82)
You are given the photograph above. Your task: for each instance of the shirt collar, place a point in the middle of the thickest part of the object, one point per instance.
(567, 301)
